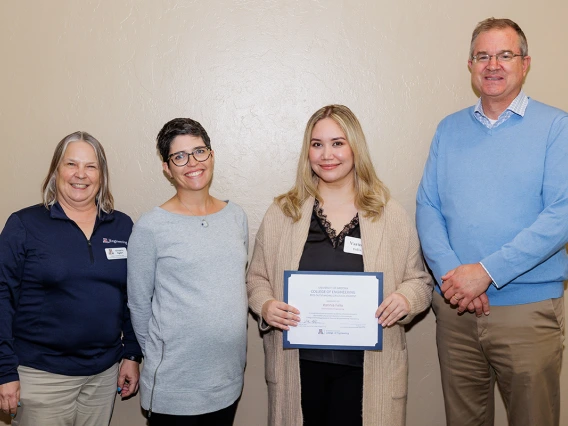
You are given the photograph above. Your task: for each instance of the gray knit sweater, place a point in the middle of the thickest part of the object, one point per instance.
(187, 299)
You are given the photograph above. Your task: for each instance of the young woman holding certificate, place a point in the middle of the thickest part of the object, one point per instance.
(337, 196)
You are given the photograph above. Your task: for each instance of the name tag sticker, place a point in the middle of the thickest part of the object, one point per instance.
(116, 253)
(353, 245)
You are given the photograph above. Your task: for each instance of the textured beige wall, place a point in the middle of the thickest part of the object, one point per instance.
(252, 72)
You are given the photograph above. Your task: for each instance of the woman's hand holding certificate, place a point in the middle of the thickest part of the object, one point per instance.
(339, 310)
(393, 309)
(280, 315)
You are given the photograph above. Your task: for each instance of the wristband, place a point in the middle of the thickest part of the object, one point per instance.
(138, 359)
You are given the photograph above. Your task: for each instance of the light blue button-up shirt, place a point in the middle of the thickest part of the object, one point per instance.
(518, 106)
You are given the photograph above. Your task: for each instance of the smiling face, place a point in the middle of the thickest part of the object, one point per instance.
(78, 177)
(499, 83)
(195, 175)
(330, 155)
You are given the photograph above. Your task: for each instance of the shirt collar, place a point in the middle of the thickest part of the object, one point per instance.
(57, 212)
(518, 106)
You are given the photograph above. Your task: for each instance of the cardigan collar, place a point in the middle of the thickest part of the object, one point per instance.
(371, 239)
(300, 233)
(371, 236)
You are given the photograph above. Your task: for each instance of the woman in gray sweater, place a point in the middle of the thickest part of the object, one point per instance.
(186, 290)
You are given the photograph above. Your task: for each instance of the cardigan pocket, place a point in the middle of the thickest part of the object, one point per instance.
(270, 353)
(399, 374)
(399, 387)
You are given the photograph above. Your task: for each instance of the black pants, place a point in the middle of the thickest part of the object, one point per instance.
(332, 394)
(224, 417)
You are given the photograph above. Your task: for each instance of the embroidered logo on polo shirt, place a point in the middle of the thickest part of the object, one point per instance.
(111, 241)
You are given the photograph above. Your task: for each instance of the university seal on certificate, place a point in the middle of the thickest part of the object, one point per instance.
(337, 309)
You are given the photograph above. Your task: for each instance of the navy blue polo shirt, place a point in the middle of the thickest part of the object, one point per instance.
(63, 306)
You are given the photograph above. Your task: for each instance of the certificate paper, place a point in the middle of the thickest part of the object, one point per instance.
(337, 309)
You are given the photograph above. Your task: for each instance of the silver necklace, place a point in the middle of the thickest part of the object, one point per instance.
(204, 223)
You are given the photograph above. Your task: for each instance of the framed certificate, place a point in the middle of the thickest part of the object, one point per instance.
(337, 310)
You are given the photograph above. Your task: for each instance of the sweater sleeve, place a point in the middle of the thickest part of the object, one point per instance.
(259, 289)
(417, 283)
(142, 257)
(12, 258)
(131, 346)
(246, 231)
(549, 232)
(430, 222)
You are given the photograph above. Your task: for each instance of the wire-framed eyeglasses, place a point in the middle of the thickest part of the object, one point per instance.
(181, 158)
(505, 56)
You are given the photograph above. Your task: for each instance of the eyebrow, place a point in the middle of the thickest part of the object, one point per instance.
(339, 138)
(197, 147)
(483, 52)
(79, 161)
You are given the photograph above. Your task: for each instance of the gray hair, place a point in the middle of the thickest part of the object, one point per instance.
(104, 199)
(499, 24)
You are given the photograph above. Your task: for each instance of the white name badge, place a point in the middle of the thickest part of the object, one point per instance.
(353, 245)
(116, 253)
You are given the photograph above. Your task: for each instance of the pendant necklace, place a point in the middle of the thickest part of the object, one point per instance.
(204, 223)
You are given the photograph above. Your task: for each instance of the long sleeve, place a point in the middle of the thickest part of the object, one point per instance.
(259, 289)
(548, 234)
(142, 259)
(430, 222)
(246, 231)
(416, 284)
(131, 346)
(12, 257)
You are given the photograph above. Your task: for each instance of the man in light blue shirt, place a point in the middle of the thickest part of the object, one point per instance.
(492, 215)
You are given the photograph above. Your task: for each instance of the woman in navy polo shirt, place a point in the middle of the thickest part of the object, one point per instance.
(64, 321)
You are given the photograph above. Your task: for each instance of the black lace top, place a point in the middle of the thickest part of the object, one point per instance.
(336, 240)
(323, 251)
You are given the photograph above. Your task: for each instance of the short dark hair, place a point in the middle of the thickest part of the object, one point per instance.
(176, 127)
(499, 24)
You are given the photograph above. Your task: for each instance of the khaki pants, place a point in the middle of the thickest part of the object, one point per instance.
(519, 347)
(55, 400)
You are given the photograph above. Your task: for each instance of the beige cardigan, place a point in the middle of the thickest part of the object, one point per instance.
(390, 245)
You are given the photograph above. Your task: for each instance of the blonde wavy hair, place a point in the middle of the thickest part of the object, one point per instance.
(371, 194)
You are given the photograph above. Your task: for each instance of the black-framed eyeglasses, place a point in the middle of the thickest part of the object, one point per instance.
(505, 56)
(181, 158)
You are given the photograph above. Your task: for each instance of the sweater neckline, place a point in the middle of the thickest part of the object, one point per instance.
(200, 218)
(510, 122)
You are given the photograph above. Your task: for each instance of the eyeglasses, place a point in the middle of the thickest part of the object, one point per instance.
(181, 158)
(505, 56)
